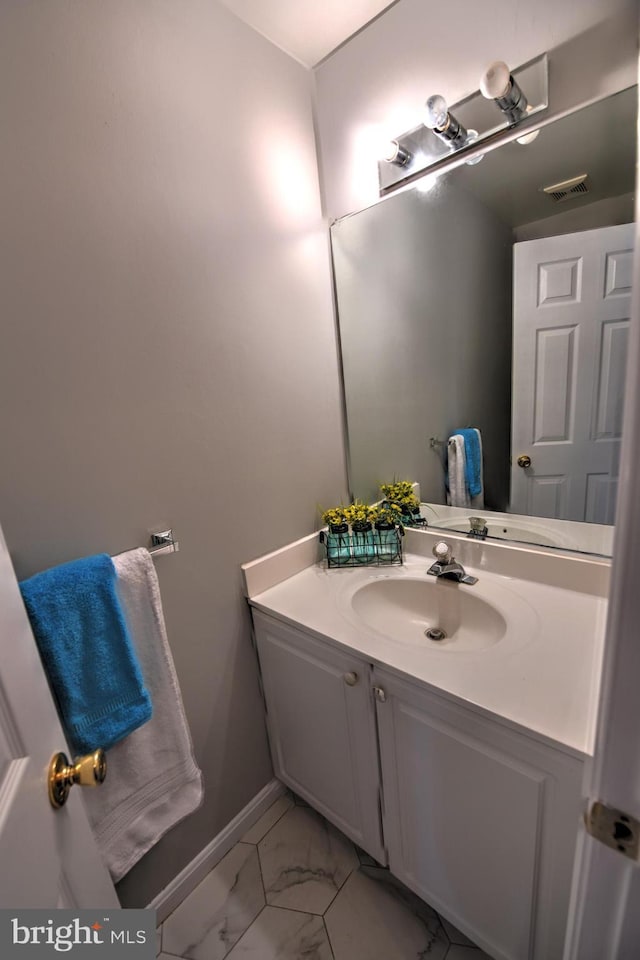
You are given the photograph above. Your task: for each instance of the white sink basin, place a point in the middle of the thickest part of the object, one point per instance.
(404, 607)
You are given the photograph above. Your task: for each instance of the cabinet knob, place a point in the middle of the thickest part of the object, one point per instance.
(351, 679)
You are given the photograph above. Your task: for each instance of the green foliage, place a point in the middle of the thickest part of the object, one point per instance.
(388, 513)
(400, 492)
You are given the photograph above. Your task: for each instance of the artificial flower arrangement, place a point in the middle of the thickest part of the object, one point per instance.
(359, 514)
(400, 492)
(374, 537)
(388, 515)
(335, 517)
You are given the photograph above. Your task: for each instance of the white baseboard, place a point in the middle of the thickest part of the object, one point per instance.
(189, 878)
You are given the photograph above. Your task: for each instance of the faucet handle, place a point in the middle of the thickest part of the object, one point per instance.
(442, 552)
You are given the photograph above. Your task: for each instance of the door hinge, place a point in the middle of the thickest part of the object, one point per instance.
(379, 694)
(616, 829)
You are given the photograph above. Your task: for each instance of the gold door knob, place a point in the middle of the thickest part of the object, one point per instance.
(524, 460)
(88, 771)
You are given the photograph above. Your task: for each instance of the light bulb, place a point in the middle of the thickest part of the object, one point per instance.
(394, 152)
(498, 85)
(436, 112)
(471, 136)
(495, 81)
(528, 138)
(425, 184)
(389, 150)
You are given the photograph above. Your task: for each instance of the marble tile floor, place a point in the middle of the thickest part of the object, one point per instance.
(294, 888)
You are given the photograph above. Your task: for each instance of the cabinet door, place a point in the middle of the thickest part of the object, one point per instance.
(322, 728)
(479, 820)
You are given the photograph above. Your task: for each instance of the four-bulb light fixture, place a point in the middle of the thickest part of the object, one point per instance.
(497, 84)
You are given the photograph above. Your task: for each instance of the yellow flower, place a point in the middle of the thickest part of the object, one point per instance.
(400, 491)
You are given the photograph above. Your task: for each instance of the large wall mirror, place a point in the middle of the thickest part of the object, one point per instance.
(481, 298)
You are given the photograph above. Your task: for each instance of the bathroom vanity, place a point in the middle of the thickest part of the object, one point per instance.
(457, 763)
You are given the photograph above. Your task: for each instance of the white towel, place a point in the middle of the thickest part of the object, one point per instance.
(152, 777)
(458, 491)
(458, 495)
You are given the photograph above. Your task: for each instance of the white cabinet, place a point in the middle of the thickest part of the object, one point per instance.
(322, 728)
(479, 820)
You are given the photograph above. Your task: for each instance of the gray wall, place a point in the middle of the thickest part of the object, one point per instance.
(374, 87)
(602, 213)
(167, 346)
(424, 296)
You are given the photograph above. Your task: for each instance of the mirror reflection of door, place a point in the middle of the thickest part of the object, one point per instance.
(571, 308)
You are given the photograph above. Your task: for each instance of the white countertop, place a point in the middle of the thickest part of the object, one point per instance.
(546, 681)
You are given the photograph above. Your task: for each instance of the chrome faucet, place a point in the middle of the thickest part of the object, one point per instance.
(447, 567)
(478, 528)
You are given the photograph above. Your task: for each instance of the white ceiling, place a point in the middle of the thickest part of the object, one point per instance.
(307, 29)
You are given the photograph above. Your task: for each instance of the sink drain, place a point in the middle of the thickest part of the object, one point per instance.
(435, 633)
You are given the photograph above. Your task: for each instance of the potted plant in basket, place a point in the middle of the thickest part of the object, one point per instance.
(361, 516)
(401, 493)
(387, 535)
(338, 540)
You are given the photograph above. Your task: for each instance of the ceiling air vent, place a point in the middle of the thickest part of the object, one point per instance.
(568, 188)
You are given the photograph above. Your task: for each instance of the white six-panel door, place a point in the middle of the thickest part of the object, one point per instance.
(572, 301)
(49, 858)
(605, 919)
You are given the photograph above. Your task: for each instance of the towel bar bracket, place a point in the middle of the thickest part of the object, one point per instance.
(163, 542)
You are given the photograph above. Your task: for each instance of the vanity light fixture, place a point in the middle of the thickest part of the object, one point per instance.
(444, 124)
(395, 153)
(498, 84)
(446, 131)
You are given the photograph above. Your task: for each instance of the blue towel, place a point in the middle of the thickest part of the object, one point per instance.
(472, 461)
(87, 653)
